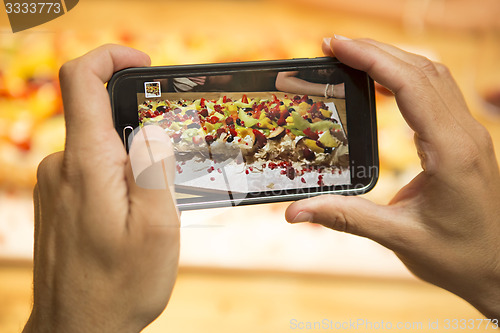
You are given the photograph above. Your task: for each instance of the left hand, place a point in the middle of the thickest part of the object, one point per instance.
(106, 251)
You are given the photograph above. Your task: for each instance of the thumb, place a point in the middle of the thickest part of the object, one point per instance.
(151, 173)
(386, 225)
(152, 158)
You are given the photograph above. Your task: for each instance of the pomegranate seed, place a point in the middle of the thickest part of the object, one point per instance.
(303, 180)
(219, 170)
(212, 178)
(209, 139)
(247, 172)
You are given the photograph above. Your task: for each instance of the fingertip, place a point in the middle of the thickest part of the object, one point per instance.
(326, 47)
(291, 212)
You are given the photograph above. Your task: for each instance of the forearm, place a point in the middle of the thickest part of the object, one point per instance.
(295, 85)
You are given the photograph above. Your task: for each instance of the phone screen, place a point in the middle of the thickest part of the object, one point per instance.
(254, 131)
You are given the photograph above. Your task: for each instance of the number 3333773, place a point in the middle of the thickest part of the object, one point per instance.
(33, 8)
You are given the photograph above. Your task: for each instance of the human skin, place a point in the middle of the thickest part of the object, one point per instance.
(106, 250)
(289, 82)
(445, 224)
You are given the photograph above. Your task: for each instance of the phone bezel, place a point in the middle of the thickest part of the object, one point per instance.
(360, 112)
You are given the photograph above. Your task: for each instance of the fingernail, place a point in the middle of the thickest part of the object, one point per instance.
(302, 217)
(339, 37)
(327, 40)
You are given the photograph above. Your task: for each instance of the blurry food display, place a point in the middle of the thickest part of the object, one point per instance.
(32, 123)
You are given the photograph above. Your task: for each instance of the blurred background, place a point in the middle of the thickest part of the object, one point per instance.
(245, 269)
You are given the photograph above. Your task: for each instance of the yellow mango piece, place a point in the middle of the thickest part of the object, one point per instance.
(266, 123)
(311, 144)
(233, 109)
(303, 108)
(326, 113)
(210, 127)
(328, 140)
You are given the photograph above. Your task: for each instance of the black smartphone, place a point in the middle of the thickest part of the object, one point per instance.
(256, 132)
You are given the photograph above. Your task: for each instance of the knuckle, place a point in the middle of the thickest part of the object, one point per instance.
(426, 65)
(66, 70)
(485, 140)
(442, 69)
(48, 167)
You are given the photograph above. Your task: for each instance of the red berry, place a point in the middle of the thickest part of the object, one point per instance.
(213, 120)
(290, 172)
(311, 134)
(209, 139)
(220, 130)
(204, 112)
(260, 138)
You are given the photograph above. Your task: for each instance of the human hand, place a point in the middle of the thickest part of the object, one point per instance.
(106, 251)
(444, 225)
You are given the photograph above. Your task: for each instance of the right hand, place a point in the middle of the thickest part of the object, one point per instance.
(445, 224)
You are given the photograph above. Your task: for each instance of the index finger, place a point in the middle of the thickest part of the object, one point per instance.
(87, 106)
(420, 103)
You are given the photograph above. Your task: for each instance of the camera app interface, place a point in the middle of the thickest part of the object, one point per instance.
(255, 131)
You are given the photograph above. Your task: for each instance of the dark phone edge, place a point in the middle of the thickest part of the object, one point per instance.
(274, 65)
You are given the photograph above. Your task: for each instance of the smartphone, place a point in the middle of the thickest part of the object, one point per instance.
(256, 132)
